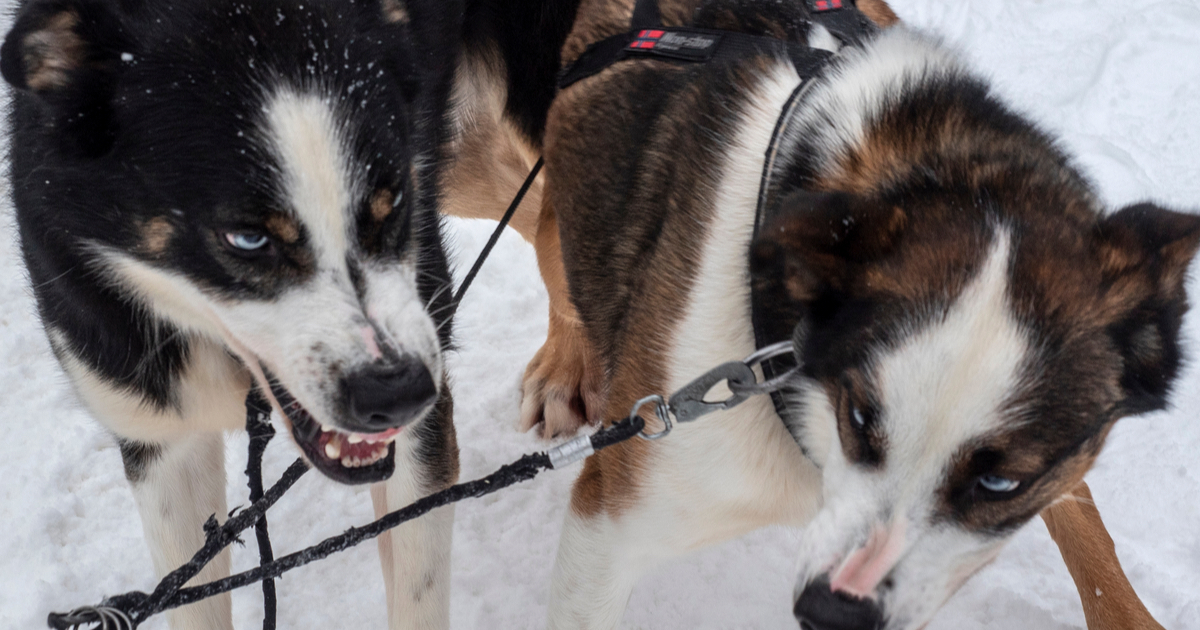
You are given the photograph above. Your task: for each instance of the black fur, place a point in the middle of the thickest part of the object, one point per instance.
(528, 35)
(139, 116)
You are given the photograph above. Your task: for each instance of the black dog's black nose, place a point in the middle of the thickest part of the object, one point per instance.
(382, 397)
(819, 608)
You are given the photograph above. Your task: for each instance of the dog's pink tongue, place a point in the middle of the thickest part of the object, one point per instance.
(381, 436)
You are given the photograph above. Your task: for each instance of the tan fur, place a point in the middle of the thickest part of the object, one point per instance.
(394, 12)
(285, 228)
(1109, 602)
(156, 234)
(381, 204)
(53, 52)
(492, 158)
(564, 373)
(879, 12)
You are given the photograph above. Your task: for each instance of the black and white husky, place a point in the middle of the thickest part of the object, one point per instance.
(215, 194)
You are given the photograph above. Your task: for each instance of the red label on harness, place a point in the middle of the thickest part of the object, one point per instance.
(826, 5)
(684, 44)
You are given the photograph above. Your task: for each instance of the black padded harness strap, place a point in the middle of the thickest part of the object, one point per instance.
(648, 38)
(645, 15)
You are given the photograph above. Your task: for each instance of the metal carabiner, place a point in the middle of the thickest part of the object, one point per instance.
(660, 411)
(688, 403)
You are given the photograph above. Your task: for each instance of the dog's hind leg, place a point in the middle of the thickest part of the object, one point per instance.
(563, 387)
(416, 555)
(1109, 601)
(177, 485)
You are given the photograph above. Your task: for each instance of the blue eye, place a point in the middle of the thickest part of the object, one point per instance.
(247, 241)
(1000, 485)
(859, 419)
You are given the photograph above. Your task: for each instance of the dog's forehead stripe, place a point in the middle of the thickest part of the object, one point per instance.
(950, 381)
(317, 179)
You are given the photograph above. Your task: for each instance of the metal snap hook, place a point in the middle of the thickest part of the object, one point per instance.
(660, 411)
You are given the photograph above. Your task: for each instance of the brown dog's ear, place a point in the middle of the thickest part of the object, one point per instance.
(68, 54)
(1144, 253)
(819, 239)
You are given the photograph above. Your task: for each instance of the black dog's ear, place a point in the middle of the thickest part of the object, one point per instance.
(1144, 253)
(395, 11)
(68, 53)
(55, 45)
(819, 240)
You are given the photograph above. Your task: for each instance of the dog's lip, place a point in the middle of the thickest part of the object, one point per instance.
(313, 439)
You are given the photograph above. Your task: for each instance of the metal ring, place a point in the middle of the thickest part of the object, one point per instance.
(769, 352)
(660, 411)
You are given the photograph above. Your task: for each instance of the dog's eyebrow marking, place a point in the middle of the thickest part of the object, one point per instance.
(156, 234)
(317, 179)
(394, 12)
(284, 228)
(381, 204)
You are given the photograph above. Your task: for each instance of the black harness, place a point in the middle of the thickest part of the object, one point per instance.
(648, 38)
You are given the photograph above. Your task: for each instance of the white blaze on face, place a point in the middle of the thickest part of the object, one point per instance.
(949, 382)
(318, 330)
(943, 385)
(318, 180)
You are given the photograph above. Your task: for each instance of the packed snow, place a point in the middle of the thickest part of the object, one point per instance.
(1118, 81)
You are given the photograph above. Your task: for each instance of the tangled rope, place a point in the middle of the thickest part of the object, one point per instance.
(128, 611)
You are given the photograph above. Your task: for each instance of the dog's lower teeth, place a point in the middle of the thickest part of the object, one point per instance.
(333, 449)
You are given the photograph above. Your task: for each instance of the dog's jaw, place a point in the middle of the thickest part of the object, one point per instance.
(366, 459)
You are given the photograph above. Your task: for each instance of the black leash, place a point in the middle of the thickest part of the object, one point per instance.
(258, 425)
(128, 611)
(487, 249)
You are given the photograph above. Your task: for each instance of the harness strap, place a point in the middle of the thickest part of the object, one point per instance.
(648, 38)
(645, 15)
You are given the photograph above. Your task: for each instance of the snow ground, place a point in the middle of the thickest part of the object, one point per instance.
(1118, 81)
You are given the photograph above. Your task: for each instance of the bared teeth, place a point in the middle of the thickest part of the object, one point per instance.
(356, 461)
(333, 448)
(355, 438)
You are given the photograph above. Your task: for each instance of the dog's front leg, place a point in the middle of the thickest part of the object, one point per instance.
(177, 485)
(595, 572)
(563, 385)
(416, 555)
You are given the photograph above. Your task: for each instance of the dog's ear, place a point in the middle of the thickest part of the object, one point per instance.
(819, 240)
(1144, 252)
(68, 53)
(394, 11)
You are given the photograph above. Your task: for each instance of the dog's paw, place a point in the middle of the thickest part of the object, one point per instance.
(562, 390)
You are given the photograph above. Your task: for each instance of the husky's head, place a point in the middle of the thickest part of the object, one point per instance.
(963, 359)
(259, 173)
